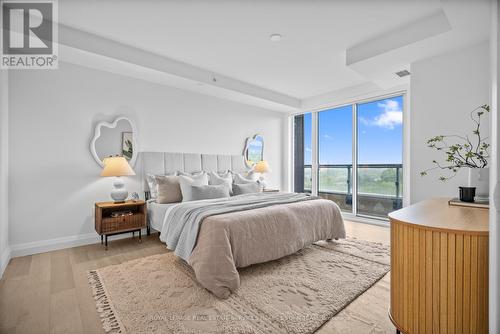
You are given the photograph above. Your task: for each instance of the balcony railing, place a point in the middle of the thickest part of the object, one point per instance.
(379, 187)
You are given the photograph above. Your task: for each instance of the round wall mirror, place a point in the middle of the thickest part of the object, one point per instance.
(116, 138)
(254, 150)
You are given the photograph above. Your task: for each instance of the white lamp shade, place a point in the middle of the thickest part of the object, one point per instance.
(262, 167)
(117, 166)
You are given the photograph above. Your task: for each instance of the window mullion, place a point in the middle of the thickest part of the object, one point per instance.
(354, 174)
(314, 155)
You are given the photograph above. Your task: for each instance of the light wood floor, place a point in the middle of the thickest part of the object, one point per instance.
(49, 293)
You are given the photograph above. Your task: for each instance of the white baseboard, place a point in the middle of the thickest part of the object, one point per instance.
(4, 260)
(42, 246)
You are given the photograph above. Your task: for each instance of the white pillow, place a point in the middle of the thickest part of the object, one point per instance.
(225, 173)
(153, 185)
(186, 182)
(217, 179)
(190, 174)
(251, 177)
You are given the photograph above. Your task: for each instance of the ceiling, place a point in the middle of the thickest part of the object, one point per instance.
(231, 38)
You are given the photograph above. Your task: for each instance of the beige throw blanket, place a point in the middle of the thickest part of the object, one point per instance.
(238, 239)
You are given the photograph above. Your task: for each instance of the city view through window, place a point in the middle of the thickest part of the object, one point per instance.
(379, 151)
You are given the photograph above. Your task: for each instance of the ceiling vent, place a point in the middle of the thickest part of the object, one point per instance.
(402, 73)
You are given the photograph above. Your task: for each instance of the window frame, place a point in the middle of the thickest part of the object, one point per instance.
(315, 149)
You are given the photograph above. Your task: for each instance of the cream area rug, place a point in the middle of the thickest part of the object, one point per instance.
(296, 294)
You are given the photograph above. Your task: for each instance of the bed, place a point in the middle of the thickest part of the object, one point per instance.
(156, 214)
(217, 236)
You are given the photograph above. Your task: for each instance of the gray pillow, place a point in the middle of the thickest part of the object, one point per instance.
(186, 182)
(168, 189)
(247, 188)
(208, 192)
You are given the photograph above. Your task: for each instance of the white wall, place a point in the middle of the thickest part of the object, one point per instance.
(4, 178)
(55, 180)
(444, 89)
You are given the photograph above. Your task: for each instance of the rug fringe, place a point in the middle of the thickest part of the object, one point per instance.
(110, 322)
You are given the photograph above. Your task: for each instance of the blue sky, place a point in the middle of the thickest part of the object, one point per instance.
(380, 133)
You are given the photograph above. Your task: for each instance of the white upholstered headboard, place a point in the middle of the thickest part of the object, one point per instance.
(161, 163)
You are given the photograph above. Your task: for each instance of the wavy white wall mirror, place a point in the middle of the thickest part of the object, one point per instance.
(116, 138)
(254, 150)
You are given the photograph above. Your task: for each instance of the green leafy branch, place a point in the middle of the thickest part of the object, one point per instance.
(129, 151)
(464, 153)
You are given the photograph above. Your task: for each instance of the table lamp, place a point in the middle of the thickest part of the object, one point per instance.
(262, 167)
(117, 166)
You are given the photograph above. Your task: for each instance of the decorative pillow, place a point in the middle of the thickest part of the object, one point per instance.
(216, 179)
(190, 174)
(247, 188)
(168, 189)
(240, 179)
(152, 185)
(186, 182)
(225, 173)
(208, 192)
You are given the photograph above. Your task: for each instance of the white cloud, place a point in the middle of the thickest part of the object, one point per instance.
(389, 119)
(308, 149)
(389, 105)
(391, 116)
(327, 136)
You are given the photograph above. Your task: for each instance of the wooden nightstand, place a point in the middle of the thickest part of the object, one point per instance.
(106, 225)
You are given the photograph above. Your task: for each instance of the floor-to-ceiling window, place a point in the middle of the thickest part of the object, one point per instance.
(359, 155)
(335, 156)
(380, 154)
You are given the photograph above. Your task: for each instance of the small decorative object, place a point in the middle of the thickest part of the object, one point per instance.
(127, 146)
(117, 166)
(254, 150)
(482, 185)
(466, 194)
(124, 213)
(262, 167)
(134, 196)
(468, 152)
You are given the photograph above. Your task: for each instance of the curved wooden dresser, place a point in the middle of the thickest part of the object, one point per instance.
(439, 268)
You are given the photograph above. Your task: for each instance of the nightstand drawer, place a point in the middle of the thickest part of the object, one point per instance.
(115, 224)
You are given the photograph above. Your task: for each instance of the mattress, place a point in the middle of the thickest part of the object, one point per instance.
(156, 214)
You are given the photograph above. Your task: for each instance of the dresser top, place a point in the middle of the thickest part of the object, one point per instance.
(115, 205)
(436, 213)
